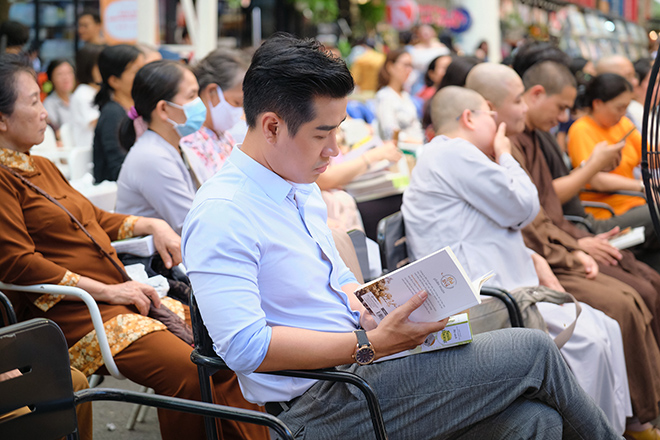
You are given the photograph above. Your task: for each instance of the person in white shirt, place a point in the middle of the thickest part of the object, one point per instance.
(469, 193)
(274, 293)
(84, 114)
(395, 110)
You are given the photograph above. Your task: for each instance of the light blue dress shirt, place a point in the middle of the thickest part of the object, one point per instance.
(256, 261)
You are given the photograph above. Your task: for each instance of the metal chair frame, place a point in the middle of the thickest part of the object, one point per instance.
(208, 362)
(38, 349)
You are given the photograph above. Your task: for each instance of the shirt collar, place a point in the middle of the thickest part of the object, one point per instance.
(16, 159)
(273, 185)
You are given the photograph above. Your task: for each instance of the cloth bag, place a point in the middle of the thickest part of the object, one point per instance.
(492, 314)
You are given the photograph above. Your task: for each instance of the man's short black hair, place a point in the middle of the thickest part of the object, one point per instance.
(286, 75)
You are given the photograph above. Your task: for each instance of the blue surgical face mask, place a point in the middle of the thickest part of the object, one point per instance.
(195, 112)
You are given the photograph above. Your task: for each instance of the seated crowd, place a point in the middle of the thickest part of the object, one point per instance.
(236, 168)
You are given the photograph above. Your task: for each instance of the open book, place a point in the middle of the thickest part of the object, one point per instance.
(628, 238)
(440, 274)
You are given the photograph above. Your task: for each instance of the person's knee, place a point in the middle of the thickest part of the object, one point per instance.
(532, 420)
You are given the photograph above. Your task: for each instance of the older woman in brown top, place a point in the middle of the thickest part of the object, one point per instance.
(41, 244)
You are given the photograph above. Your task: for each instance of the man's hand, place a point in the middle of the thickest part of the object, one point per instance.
(590, 265)
(600, 248)
(501, 144)
(131, 292)
(606, 157)
(367, 321)
(544, 272)
(397, 332)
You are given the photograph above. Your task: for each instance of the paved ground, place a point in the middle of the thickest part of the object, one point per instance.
(115, 414)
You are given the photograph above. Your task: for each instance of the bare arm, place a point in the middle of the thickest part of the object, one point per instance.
(294, 348)
(166, 241)
(604, 158)
(336, 176)
(128, 293)
(614, 182)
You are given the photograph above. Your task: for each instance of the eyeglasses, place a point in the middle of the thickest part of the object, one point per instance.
(493, 113)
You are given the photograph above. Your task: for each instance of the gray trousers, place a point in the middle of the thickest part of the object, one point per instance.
(507, 384)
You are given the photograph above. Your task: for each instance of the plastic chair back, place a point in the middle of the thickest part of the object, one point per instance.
(391, 237)
(38, 349)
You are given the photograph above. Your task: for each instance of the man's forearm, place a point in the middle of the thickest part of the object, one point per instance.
(570, 185)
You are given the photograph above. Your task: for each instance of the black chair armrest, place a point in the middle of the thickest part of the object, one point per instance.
(514, 311)
(353, 379)
(579, 220)
(619, 192)
(177, 404)
(599, 205)
(9, 311)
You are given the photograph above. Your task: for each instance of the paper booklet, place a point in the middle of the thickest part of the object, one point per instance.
(440, 274)
(139, 246)
(628, 238)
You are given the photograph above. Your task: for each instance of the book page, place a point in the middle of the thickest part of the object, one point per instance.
(140, 246)
(440, 274)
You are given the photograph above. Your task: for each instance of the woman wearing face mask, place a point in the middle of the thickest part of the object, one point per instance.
(117, 65)
(220, 76)
(156, 177)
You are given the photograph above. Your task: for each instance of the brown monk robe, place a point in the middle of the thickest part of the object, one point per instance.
(40, 244)
(616, 299)
(528, 150)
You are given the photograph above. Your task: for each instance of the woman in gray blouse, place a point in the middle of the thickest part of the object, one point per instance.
(155, 177)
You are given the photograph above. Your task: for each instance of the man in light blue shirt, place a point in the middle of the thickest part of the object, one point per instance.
(274, 293)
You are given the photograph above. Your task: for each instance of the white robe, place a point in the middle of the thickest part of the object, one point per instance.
(460, 198)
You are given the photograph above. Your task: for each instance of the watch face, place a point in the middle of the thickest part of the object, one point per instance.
(365, 355)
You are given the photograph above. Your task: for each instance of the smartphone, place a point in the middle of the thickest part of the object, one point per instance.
(627, 134)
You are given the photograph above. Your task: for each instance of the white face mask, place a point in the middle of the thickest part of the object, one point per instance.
(224, 115)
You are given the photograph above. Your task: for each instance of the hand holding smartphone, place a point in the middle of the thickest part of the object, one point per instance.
(627, 134)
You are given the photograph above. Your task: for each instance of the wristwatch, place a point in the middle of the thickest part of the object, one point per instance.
(364, 353)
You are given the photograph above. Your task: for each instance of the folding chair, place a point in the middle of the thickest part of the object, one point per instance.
(208, 362)
(37, 348)
(394, 254)
(139, 412)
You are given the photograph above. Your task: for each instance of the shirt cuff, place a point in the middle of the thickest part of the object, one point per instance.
(126, 229)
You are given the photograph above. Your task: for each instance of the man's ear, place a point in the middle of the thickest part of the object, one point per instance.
(466, 120)
(490, 105)
(271, 127)
(534, 93)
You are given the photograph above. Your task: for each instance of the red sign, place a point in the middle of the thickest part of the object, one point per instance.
(402, 14)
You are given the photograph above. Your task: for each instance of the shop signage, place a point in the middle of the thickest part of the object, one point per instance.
(456, 19)
(402, 14)
(120, 20)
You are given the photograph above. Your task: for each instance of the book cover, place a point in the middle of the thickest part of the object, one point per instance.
(440, 274)
(457, 332)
